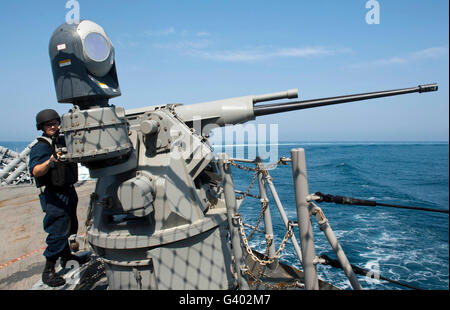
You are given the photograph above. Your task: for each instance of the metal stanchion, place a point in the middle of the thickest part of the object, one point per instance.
(268, 227)
(304, 218)
(230, 201)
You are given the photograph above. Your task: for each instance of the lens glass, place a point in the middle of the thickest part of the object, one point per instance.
(96, 47)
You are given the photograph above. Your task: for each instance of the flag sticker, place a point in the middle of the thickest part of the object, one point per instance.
(61, 47)
(65, 62)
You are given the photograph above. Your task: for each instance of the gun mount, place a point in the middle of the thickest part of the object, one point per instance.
(158, 218)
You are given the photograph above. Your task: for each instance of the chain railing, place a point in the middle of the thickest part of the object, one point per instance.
(305, 209)
(261, 170)
(268, 242)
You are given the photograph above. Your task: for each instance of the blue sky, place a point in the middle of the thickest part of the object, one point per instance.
(194, 51)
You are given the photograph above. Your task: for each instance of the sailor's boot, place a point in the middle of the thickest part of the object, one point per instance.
(49, 276)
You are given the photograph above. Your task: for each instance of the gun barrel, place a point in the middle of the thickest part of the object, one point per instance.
(306, 104)
(290, 93)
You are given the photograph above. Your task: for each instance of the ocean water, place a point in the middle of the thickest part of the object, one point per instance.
(404, 245)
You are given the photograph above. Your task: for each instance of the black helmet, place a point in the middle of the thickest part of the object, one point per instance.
(45, 116)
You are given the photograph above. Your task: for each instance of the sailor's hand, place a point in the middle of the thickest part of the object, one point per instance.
(53, 159)
(41, 169)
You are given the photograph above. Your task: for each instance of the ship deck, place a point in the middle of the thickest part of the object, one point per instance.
(22, 235)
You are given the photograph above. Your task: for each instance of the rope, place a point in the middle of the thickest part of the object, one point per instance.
(370, 203)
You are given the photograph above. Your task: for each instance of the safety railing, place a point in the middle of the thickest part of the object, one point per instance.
(305, 208)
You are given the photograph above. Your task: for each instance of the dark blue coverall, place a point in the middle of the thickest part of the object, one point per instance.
(59, 205)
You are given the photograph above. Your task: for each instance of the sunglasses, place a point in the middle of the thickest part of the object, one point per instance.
(51, 123)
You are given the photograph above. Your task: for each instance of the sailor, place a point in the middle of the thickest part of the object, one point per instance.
(58, 198)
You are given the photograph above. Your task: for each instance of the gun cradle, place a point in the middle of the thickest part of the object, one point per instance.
(165, 218)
